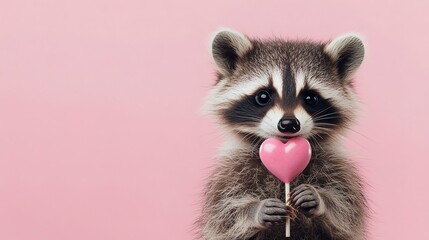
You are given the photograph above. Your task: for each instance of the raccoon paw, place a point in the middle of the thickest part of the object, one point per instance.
(307, 200)
(269, 212)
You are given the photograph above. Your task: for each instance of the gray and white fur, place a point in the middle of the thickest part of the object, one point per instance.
(282, 89)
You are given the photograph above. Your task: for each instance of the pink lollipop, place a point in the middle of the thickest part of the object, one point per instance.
(285, 161)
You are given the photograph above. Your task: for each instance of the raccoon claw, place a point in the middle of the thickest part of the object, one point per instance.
(271, 211)
(307, 200)
(292, 212)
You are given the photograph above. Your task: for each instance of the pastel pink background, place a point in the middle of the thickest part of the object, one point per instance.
(100, 131)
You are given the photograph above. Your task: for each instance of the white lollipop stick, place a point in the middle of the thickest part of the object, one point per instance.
(285, 161)
(287, 189)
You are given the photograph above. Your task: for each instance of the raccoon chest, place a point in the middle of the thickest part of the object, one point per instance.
(268, 186)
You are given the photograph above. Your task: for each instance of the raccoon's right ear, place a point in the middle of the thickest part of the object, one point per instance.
(227, 48)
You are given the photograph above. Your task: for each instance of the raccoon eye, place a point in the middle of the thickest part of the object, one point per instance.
(311, 99)
(263, 97)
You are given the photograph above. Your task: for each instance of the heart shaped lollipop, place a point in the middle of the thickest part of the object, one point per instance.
(285, 161)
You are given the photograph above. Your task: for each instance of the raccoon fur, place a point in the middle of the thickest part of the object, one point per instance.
(283, 89)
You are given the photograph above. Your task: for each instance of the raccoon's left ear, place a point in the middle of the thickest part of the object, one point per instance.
(228, 47)
(347, 52)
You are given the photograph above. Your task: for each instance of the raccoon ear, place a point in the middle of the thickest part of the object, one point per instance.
(347, 52)
(228, 47)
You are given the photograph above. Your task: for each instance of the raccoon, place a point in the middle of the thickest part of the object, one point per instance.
(282, 89)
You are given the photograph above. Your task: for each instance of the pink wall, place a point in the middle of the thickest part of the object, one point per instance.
(100, 136)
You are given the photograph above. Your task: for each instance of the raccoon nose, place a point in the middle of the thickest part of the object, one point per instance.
(288, 125)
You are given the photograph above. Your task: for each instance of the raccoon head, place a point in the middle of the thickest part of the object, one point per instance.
(282, 89)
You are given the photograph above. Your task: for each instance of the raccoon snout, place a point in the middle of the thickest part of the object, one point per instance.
(288, 125)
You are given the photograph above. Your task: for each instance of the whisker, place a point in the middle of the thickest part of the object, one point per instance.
(325, 124)
(325, 115)
(320, 112)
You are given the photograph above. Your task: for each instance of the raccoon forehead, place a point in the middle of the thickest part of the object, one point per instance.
(297, 54)
(271, 77)
(327, 89)
(243, 86)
